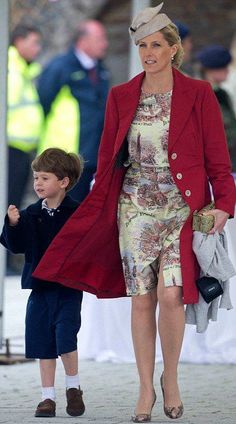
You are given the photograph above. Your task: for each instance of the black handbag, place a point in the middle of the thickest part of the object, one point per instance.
(209, 287)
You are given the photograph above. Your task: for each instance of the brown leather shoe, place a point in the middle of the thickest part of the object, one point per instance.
(75, 405)
(46, 408)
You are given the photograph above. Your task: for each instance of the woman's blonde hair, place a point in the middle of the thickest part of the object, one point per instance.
(171, 35)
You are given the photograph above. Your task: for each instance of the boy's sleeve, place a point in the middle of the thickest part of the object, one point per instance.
(14, 238)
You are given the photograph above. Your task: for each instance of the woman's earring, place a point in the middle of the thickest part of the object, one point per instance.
(172, 58)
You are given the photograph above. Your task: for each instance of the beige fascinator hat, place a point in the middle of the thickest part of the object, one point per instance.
(147, 22)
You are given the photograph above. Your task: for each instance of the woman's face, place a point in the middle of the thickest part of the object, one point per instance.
(155, 53)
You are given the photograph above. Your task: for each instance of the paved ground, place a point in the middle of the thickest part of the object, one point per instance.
(110, 390)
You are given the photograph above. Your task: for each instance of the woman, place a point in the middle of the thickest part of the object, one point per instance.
(163, 140)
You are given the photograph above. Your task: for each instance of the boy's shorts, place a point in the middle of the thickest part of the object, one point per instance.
(52, 322)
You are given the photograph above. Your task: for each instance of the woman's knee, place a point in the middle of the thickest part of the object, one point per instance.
(170, 297)
(144, 303)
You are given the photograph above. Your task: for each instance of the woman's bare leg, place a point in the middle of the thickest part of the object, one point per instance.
(171, 324)
(143, 321)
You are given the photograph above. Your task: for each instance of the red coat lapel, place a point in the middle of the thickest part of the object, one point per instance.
(182, 103)
(183, 99)
(127, 101)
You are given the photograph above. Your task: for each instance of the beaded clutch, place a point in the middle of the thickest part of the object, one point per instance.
(201, 222)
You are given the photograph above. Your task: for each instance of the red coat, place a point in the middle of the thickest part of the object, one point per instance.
(85, 253)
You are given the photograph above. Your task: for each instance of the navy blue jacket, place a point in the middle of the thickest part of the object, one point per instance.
(33, 234)
(66, 70)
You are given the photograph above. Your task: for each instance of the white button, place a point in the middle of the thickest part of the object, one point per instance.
(174, 156)
(179, 176)
(188, 193)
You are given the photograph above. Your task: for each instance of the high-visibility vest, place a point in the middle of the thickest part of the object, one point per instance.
(62, 123)
(25, 114)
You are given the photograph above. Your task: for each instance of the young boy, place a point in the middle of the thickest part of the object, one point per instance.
(53, 311)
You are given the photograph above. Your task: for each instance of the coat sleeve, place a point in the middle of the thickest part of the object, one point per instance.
(14, 238)
(107, 144)
(216, 155)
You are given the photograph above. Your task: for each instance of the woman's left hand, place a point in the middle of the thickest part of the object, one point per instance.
(220, 220)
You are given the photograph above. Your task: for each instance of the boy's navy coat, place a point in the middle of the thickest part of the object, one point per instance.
(23, 238)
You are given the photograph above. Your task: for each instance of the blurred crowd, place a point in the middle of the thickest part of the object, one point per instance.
(63, 104)
(214, 63)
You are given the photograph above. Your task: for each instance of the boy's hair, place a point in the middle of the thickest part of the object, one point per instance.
(60, 163)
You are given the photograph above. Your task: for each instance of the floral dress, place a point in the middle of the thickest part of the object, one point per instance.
(151, 209)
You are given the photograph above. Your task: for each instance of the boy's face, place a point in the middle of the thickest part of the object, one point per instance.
(47, 185)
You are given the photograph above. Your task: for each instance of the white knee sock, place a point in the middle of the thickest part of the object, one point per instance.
(48, 393)
(72, 381)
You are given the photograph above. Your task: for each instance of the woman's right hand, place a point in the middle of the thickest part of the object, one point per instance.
(13, 215)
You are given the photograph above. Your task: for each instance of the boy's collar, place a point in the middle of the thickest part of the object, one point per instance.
(67, 202)
(49, 210)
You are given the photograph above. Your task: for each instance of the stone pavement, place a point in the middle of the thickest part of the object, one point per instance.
(110, 391)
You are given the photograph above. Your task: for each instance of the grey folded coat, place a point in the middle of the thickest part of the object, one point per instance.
(212, 256)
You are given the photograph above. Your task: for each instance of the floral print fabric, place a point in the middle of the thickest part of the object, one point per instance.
(151, 209)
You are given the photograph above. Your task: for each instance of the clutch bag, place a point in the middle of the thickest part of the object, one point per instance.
(201, 222)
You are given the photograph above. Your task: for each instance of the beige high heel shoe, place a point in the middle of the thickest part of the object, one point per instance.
(172, 412)
(144, 417)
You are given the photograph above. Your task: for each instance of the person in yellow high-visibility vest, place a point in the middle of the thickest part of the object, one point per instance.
(73, 89)
(25, 115)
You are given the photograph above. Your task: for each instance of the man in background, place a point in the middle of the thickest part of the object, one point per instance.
(186, 40)
(25, 115)
(73, 89)
(230, 83)
(214, 62)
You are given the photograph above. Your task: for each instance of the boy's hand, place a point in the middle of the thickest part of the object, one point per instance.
(13, 215)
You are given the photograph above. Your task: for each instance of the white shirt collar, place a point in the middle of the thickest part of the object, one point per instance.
(50, 211)
(86, 61)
